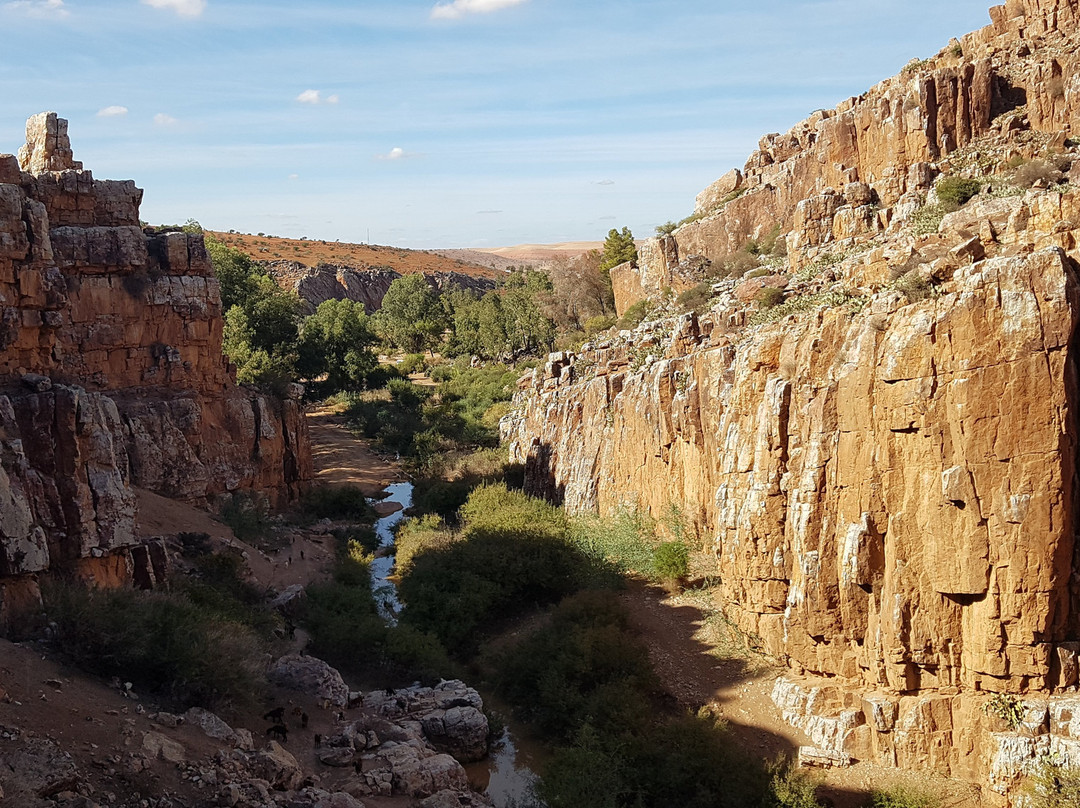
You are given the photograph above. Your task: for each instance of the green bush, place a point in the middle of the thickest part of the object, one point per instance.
(954, 192)
(622, 543)
(338, 502)
(769, 297)
(585, 665)
(696, 299)
(413, 363)
(927, 219)
(635, 315)
(902, 797)
(164, 642)
(790, 787)
(601, 322)
(513, 553)
(248, 516)
(672, 560)
(914, 286)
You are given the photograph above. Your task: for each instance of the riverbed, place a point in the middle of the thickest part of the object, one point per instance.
(506, 775)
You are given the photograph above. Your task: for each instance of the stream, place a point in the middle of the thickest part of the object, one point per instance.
(506, 775)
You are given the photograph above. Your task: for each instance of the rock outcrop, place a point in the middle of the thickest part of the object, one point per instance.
(111, 374)
(884, 465)
(367, 285)
(1015, 75)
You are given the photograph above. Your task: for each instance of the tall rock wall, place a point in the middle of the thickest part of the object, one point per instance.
(884, 466)
(111, 371)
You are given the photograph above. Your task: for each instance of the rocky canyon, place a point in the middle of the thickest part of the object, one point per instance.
(884, 464)
(112, 378)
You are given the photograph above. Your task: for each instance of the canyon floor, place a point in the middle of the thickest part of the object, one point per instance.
(699, 659)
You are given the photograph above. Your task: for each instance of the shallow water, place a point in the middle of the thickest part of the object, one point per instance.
(385, 591)
(506, 774)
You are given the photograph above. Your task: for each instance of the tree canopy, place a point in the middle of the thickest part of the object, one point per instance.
(619, 248)
(412, 317)
(336, 342)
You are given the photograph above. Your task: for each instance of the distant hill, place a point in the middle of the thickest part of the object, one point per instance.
(312, 252)
(536, 253)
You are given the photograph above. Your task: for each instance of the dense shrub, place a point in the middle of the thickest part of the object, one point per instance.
(1027, 174)
(634, 315)
(586, 665)
(672, 560)
(337, 502)
(598, 323)
(902, 797)
(413, 363)
(165, 642)
(768, 297)
(954, 192)
(248, 516)
(513, 553)
(696, 299)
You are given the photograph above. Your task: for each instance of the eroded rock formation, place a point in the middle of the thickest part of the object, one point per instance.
(1018, 73)
(884, 466)
(111, 373)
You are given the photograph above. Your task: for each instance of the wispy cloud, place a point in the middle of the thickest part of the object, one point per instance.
(459, 8)
(316, 97)
(161, 119)
(115, 111)
(606, 182)
(185, 8)
(42, 9)
(487, 212)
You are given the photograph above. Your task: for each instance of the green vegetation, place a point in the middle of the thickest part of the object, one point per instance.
(1053, 785)
(502, 324)
(337, 502)
(954, 192)
(769, 297)
(672, 561)
(511, 554)
(902, 797)
(248, 516)
(193, 653)
(347, 630)
(335, 347)
(801, 303)
(634, 315)
(1007, 707)
(261, 319)
(666, 229)
(696, 299)
(412, 317)
(619, 248)
(914, 286)
(927, 219)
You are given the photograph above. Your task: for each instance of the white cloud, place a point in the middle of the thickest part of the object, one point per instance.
(39, 8)
(185, 8)
(294, 176)
(396, 153)
(161, 119)
(115, 111)
(459, 8)
(315, 97)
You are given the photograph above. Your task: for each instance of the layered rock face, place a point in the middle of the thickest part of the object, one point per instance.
(1017, 73)
(111, 371)
(884, 466)
(367, 285)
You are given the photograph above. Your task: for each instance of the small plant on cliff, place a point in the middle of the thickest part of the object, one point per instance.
(954, 192)
(769, 297)
(634, 315)
(914, 286)
(927, 219)
(1007, 707)
(1053, 785)
(666, 229)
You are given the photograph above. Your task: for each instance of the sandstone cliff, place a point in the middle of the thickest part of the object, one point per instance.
(884, 466)
(1016, 75)
(111, 374)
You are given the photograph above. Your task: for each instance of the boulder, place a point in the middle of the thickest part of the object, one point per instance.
(312, 676)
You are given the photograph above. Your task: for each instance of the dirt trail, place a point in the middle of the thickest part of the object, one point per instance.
(340, 458)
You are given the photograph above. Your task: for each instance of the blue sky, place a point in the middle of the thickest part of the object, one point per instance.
(458, 123)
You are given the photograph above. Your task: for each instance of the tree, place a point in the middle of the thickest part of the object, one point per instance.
(412, 317)
(261, 318)
(618, 249)
(336, 341)
(580, 291)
